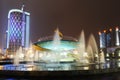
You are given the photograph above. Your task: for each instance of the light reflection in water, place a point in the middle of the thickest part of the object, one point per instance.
(60, 66)
(118, 64)
(86, 68)
(108, 65)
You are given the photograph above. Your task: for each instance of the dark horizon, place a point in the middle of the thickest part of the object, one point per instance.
(71, 16)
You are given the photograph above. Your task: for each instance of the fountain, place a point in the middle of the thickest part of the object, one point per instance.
(17, 56)
(61, 50)
(60, 53)
(58, 49)
(56, 40)
(82, 55)
(91, 55)
(102, 59)
(16, 59)
(92, 47)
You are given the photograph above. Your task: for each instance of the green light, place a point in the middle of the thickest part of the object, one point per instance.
(64, 45)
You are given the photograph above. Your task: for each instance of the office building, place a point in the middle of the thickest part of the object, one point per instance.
(18, 30)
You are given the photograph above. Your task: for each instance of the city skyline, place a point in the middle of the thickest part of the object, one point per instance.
(70, 16)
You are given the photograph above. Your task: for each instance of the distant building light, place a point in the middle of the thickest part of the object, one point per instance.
(6, 31)
(110, 29)
(99, 33)
(104, 31)
(113, 54)
(107, 55)
(118, 59)
(118, 64)
(107, 59)
(117, 29)
(119, 54)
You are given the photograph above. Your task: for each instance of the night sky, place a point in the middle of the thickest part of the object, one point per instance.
(71, 16)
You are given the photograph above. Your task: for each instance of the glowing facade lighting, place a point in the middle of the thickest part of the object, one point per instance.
(110, 29)
(117, 29)
(18, 29)
(104, 31)
(102, 39)
(99, 33)
(117, 37)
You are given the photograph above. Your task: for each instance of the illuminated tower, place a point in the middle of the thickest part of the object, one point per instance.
(102, 36)
(117, 37)
(18, 29)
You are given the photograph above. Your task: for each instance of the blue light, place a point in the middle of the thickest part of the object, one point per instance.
(18, 29)
(27, 31)
(64, 45)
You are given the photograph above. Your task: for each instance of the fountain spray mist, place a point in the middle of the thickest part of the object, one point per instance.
(93, 44)
(56, 39)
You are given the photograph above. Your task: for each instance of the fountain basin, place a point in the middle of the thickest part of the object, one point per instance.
(64, 45)
(60, 53)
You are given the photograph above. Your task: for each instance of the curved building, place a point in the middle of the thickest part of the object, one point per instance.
(18, 29)
(66, 43)
(59, 48)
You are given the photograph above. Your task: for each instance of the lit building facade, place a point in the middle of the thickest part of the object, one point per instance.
(18, 30)
(110, 43)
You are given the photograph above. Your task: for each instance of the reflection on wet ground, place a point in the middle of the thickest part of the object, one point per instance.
(112, 65)
(60, 66)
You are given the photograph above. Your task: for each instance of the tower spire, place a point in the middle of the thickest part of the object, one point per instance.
(22, 8)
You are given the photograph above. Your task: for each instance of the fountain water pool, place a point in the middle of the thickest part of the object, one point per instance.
(58, 55)
(61, 49)
(64, 50)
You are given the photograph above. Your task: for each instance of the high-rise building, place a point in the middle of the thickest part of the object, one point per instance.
(109, 38)
(18, 29)
(110, 43)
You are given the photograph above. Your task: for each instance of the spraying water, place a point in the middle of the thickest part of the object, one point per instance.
(82, 49)
(90, 53)
(79, 53)
(17, 57)
(93, 44)
(102, 57)
(56, 39)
